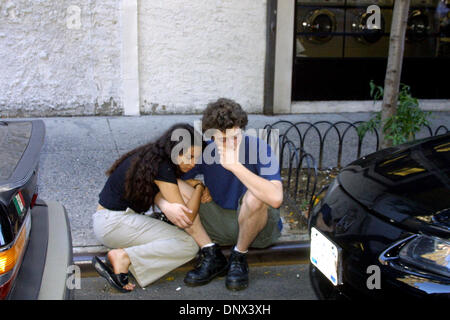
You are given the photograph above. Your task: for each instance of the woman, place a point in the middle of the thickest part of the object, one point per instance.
(148, 247)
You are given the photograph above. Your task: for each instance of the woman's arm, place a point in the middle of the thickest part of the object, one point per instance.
(171, 193)
(175, 212)
(187, 192)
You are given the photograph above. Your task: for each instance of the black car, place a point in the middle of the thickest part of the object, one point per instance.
(35, 239)
(382, 228)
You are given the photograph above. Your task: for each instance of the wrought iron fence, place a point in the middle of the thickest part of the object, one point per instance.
(292, 138)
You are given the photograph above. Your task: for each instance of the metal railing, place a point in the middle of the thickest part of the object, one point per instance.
(292, 144)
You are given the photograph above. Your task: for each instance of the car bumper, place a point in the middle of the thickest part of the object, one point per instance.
(362, 237)
(45, 268)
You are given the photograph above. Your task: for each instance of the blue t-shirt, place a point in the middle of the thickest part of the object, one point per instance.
(225, 188)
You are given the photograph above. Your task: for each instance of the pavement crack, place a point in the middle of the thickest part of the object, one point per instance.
(112, 136)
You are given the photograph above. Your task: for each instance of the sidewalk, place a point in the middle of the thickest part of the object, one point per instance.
(78, 151)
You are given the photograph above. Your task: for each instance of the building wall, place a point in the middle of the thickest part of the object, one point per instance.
(194, 51)
(52, 63)
(190, 53)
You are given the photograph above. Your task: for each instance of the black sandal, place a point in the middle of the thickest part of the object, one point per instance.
(118, 281)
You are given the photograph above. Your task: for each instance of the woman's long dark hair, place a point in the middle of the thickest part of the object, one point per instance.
(140, 188)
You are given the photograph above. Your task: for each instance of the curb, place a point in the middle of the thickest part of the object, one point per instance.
(292, 252)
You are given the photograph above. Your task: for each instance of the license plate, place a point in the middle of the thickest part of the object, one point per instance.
(326, 256)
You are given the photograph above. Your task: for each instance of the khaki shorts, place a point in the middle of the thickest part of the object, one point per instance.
(223, 228)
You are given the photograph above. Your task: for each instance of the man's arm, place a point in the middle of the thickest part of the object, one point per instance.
(268, 191)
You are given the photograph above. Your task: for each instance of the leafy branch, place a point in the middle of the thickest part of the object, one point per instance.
(404, 124)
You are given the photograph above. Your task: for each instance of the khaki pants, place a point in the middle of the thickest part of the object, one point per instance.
(154, 247)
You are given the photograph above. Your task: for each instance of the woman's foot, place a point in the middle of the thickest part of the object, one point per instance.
(120, 262)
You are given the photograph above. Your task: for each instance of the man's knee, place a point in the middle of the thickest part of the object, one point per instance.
(253, 204)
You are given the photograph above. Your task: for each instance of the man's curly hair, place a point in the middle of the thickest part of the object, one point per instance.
(224, 114)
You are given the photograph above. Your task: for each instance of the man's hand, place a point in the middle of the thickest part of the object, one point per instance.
(176, 213)
(229, 152)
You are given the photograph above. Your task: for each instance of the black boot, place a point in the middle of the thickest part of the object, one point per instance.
(237, 277)
(212, 264)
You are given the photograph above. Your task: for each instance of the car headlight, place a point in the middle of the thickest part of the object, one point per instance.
(429, 253)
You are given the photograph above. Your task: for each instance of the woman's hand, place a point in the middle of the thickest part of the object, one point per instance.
(177, 214)
(206, 196)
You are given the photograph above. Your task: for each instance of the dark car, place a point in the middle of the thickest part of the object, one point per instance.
(35, 240)
(382, 228)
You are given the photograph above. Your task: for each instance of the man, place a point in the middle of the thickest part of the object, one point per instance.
(245, 186)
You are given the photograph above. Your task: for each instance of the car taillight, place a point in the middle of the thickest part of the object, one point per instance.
(11, 258)
(33, 200)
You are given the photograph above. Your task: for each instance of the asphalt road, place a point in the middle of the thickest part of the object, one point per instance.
(276, 282)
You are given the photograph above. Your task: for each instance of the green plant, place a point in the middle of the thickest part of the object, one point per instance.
(404, 124)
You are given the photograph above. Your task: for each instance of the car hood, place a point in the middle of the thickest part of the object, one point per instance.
(408, 184)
